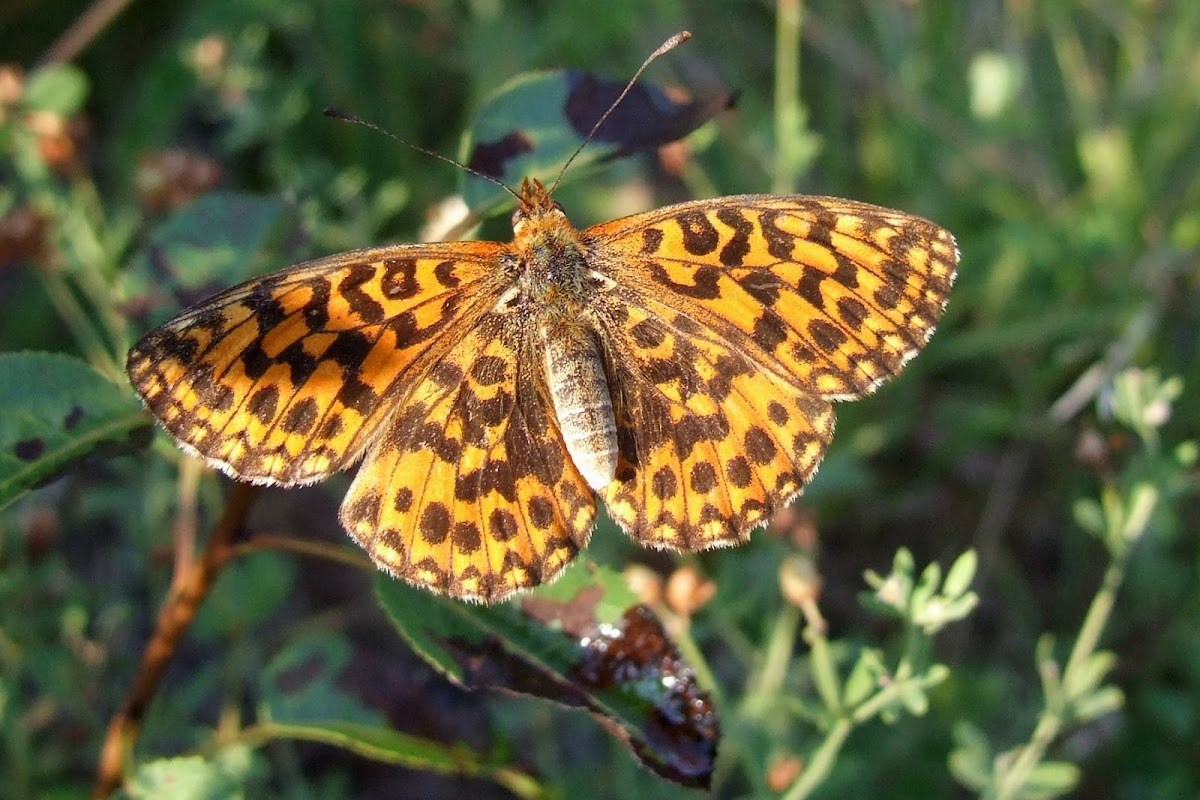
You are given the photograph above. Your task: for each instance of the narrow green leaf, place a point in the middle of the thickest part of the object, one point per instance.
(913, 696)
(863, 679)
(393, 747)
(54, 411)
(1089, 674)
(1089, 516)
(936, 674)
(927, 585)
(961, 573)
(970, 761)
(1050, 779)
(1104, 700)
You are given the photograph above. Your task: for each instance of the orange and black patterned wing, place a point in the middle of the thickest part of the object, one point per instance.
(833, 295)
(286, 378)
(710, 444)
(732, 325)
(469, 489)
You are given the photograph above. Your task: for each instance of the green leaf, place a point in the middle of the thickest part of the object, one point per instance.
(248, 591)
(59, 88)
(305, 683)
(581, 642)
(1143, 499)
(1088, 675)
(962, 572)
(1048, 669)
(864, 678)
(936, 674)
(1103, 701)
(924, 591)
(54, 411)
(533, 124)
(393, 747)
(306, 694)
(219, 240)
(970, 761)
(1089, 516)
(1050, 779)
(914, 698)
(222, 777)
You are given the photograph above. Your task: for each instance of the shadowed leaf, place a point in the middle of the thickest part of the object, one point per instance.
(302, 685)
(54, 411)
(582, 642)
(310, 693)
(218, 240)
(532, 125)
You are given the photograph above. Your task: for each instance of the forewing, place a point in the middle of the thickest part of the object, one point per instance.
(469, 491)
(833, 295)
(286, 378)
(710, 444)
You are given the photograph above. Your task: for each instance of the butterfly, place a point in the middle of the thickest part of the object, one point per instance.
(680, 365)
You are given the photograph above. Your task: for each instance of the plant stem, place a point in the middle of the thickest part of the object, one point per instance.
(788, 117)
(334, 553)
(824, 671)
(1097, 617)
(818, 769)
(1010, 781)
(695, 659)
(765, 683)
(76, 319)
(174, 619)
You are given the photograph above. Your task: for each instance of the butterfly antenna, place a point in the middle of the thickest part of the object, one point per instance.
(665, 47)
(346, 116)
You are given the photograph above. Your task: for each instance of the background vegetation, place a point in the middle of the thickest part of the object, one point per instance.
(1047, 426)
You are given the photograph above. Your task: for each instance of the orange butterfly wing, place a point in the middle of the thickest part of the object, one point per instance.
(286, 378)
(734, 322)
(469, 490)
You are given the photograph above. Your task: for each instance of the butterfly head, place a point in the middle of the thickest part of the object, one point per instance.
(536, 207)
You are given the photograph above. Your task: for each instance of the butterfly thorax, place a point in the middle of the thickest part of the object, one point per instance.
(553, 283)
(553, 264)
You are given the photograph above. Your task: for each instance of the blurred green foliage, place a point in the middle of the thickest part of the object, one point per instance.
(1059, 142)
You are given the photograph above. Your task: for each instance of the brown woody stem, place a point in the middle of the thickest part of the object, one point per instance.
(188, 592)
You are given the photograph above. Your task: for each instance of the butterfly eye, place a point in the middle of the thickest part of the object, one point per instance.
(517, 218)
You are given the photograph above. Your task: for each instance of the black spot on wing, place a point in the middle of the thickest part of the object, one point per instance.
(700, 236)
(400, 278)
(738, 247)
(350, 289)
(705, 285)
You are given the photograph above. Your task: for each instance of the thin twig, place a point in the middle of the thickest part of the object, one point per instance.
(85, 29)
(338, 554)
(185, 526)
(173, 620)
